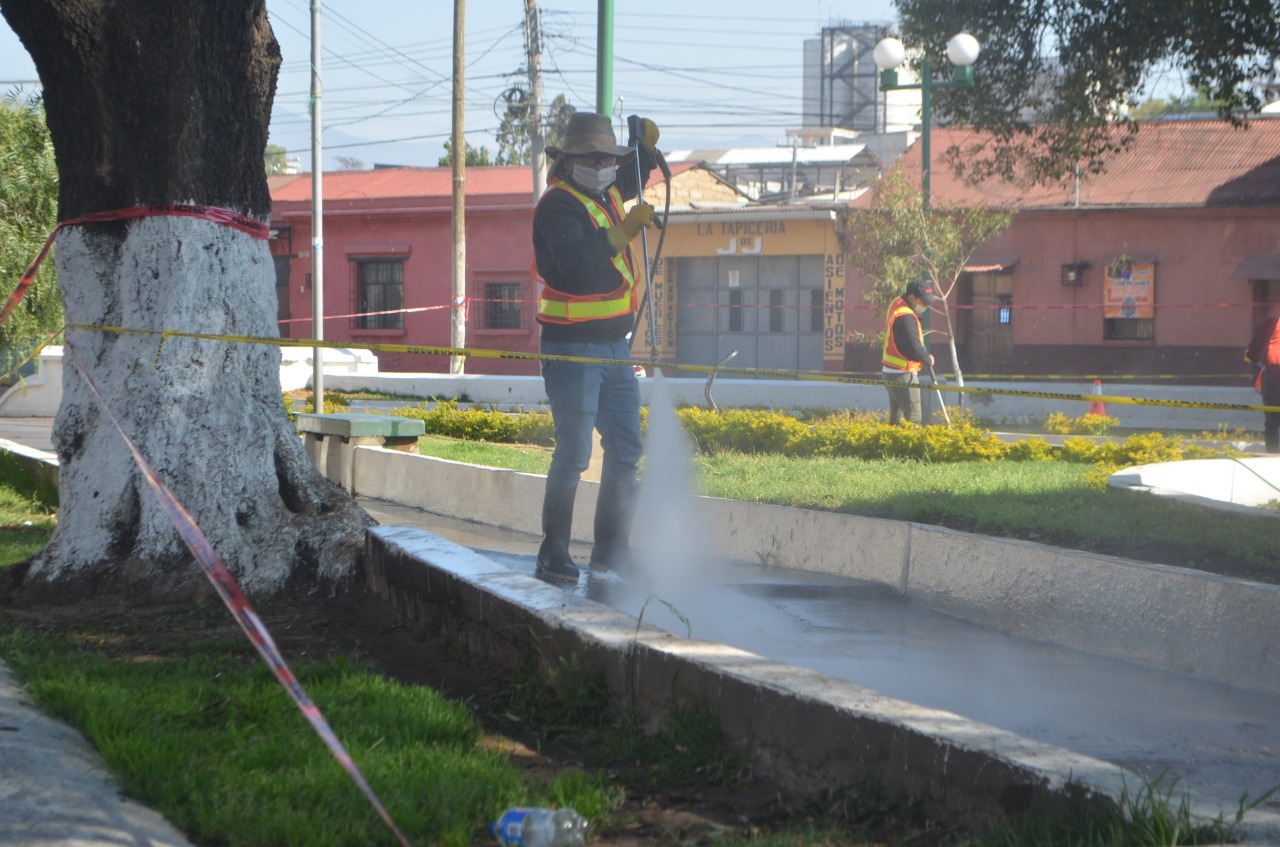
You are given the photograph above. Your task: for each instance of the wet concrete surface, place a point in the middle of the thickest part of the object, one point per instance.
(1214, 740)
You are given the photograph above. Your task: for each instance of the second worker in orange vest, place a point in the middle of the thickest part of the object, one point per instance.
(905, 352)
(1264, 352)
(587, 301)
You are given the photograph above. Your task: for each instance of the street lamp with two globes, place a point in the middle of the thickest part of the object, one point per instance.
(962, 51)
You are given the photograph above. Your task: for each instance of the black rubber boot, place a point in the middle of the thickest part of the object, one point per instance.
(615, 512)
(554, 561)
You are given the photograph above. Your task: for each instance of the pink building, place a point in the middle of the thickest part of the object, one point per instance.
(1160, 266)
(388, 262)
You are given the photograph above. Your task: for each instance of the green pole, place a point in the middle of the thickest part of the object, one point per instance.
(926, 108)
(926, 157)
(604, 58)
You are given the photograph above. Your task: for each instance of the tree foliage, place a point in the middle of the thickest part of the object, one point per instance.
(28, 214)
(514, 147)
(1056, 77)
(1160, 108)
(276, 159)
(893, 241)
(474, 158)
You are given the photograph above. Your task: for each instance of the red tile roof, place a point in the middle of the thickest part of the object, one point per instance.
(387, 183)
(1171, 164)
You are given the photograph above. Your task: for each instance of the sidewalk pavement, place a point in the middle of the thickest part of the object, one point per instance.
(55, 788)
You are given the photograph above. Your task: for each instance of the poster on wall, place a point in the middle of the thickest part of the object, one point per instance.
(1129, 289)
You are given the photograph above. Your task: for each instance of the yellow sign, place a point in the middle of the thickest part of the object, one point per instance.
(664, 313)
(833, 314)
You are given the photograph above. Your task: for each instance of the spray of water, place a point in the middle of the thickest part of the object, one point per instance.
(669, 539)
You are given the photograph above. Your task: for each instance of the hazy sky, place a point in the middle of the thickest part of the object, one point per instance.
(715, 73)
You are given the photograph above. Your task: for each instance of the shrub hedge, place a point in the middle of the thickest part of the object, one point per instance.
(853, 434)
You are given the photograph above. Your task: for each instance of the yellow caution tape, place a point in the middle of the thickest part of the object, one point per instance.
(812, 376)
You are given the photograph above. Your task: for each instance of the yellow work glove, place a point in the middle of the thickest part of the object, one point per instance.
(640, 216)
(648, 133)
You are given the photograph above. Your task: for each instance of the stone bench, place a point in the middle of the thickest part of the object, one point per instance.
(330, 440)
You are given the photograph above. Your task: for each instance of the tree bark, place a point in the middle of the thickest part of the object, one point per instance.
(153, 103)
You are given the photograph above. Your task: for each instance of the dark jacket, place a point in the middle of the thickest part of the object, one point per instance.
(574, 255)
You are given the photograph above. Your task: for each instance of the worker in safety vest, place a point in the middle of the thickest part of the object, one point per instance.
(1264, 351)
(905, 352)
(587, 301)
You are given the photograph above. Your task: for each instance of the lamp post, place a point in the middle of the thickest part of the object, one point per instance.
(889, 55)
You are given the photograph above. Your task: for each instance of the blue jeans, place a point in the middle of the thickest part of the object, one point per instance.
(592, 396)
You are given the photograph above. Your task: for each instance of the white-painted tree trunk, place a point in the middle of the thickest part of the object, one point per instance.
(207, 414)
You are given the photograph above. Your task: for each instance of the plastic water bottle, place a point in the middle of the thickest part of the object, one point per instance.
(522, 827)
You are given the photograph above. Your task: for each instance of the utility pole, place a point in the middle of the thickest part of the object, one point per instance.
(317, 218)
(537, 140)
(604, 57)
(458, 334)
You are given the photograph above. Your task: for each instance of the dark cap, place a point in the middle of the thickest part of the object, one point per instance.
(922, 290)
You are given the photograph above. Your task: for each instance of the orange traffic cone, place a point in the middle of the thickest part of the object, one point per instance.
(1097, 407)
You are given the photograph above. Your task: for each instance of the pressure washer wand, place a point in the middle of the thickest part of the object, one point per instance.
(633, 127)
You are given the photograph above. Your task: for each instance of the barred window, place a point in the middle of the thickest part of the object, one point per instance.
(502, 305)
(777, 308)
(1129, 329)
(380, 286)
(735, 310)
(1004, 314)
(817, 315)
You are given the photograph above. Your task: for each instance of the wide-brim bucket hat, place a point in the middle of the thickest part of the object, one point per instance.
(588, 132)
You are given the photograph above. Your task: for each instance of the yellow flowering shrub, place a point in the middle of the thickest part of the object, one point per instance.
(1086, 424)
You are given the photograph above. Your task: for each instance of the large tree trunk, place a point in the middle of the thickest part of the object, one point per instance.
(153, 103)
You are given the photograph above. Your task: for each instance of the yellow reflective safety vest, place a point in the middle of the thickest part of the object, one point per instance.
(892, 356)
(562, 308)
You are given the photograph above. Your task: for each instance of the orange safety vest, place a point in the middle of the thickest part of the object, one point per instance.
(1270, 357)
(559, 307)
(892, 356)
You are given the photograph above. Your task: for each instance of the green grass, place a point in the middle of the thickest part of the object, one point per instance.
(28, 512)
(203, 733)
(1048, 502)
(526, 458)
(1152, 816)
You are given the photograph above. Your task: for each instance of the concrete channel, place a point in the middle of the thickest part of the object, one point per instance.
(983, 675)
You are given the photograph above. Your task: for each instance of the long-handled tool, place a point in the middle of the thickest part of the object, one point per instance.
(941, 403)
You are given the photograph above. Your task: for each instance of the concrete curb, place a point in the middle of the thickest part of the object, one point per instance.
(808, 731)
(1171, 618)
(803, 729)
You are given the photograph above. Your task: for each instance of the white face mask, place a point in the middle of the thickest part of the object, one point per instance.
(594, 181)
